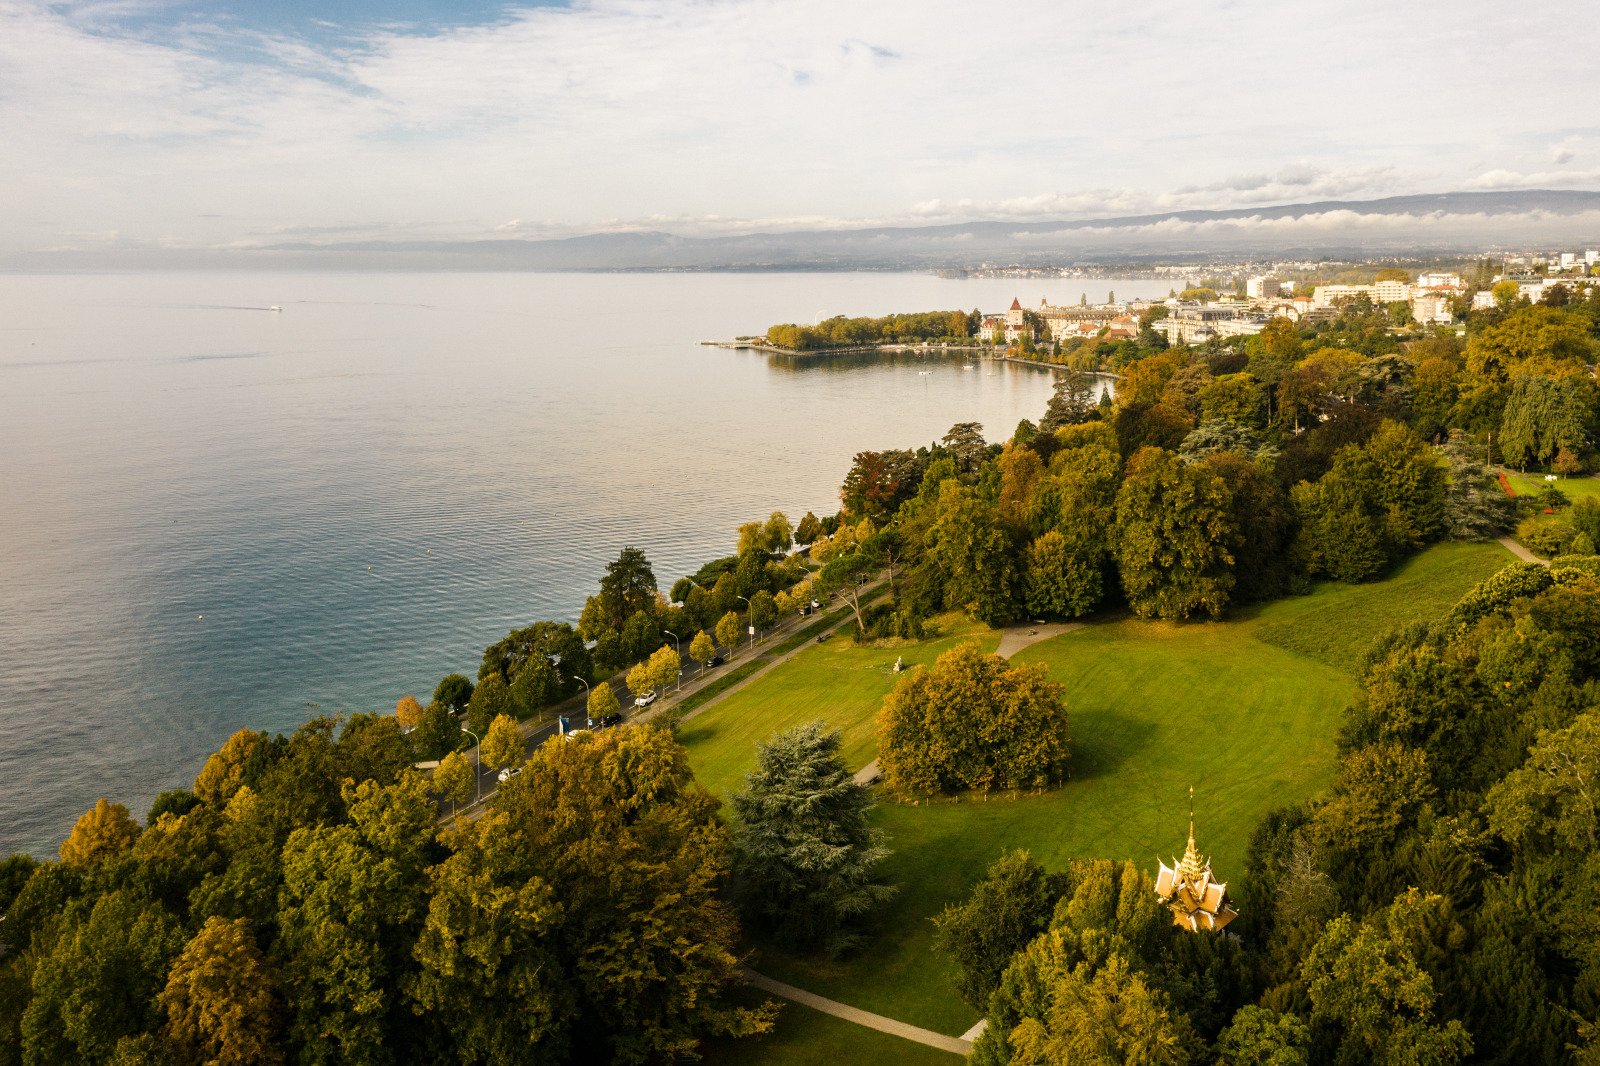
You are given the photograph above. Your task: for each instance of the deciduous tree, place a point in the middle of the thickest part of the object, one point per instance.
(973, 722)
(105, 831)
(221, 998)
(502, 743)
(1174, 538)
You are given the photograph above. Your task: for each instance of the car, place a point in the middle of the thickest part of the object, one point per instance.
(715, 660)
(646, 700)
(508, 773)
(610, 721)
(573, 734)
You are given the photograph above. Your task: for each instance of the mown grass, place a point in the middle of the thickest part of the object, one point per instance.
(1244, 710)
(1575, 488)
(1337, 623)
(837, 681)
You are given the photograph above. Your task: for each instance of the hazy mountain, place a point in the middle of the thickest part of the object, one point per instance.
(1442, 222)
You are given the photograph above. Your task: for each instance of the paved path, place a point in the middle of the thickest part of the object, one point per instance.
(868, 773)
(1522, 553)
(1014, 638)
(956, 1045)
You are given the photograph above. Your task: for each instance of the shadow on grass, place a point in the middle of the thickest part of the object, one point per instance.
(1103, 740)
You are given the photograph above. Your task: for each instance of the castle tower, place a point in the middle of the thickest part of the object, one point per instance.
(1187, 887)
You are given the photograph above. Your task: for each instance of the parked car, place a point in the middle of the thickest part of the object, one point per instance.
(715, 660)
(610, 721)
(646, 700)
(508, 773)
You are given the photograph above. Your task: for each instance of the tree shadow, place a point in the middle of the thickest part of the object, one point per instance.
(1103, 741)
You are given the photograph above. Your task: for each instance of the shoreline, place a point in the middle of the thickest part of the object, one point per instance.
(984, 350)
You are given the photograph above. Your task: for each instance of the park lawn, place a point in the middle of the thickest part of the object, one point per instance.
(806, 1037)
(1155, 709)
(836, 681)
(1336, 623)
(1575, 487)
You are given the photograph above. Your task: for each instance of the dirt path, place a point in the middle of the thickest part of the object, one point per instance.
(954, 1044)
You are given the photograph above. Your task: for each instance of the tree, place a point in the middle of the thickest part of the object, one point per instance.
(663, 668)
(491, 699)
(702, 649)
(221, 999)
(878, 483)
(242, 757)
(351, 899)
(1261, 1037)
(454, 691)
(777, 533)
(1553, 800)
(1006, 910)
(973, 554)
(586, 904)
(804, 857)
(628, 587)
(408, 711)
(1366, 987)
(1072, 401)
(454, 779)
(972, 722)
(96, 984)
(1475, 506)
(965, 444)
(103, 832)
(729, 630)
(603, 701)
(1058, 580)
(808, 530)
(502, 744)
(763, 611)
(1544, 416)
(847, 574)
(1174, 537)
(436, 733)
(535, 685)
(640, 679)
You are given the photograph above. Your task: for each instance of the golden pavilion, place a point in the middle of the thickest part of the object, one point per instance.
(1197, 900)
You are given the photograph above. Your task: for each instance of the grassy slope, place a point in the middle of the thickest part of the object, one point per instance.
(1245, 710)
(836, 681)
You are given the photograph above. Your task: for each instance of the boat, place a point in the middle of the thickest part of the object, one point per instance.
(275, 307)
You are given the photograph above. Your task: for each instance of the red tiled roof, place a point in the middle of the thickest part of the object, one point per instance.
(1016, 304)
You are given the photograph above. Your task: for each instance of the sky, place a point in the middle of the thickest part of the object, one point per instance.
(146, 123)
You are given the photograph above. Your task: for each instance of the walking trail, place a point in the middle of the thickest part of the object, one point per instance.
(957, 1045)
(1522, 553)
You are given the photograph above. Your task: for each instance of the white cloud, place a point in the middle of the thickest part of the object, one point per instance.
(1543, 179)
(714, 115)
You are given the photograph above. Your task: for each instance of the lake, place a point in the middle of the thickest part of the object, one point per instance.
(215, 515)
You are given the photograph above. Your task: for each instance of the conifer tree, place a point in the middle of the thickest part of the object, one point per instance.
(804, 856)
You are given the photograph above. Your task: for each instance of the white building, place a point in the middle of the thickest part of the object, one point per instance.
(1569, 260)
(1262, 287)
(1439, 279)
(1391, 292)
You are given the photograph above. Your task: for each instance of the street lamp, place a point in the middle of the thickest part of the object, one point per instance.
(678, 648)
(752, 615)
(585, 685)
(477, 764)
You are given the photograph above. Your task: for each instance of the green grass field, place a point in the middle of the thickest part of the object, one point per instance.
(1244, 710)
(1575, 487)
(836, 681)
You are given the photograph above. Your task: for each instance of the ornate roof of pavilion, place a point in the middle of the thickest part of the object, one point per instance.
(1187, 887)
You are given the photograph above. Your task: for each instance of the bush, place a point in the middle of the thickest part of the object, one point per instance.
(1547, 537)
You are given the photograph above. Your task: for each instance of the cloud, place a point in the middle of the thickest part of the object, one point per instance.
(610, 114)
(1544, 179)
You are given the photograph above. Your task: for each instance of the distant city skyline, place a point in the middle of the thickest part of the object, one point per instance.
(144, 124)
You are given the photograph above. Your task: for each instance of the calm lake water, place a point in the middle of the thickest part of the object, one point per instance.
(213, 515)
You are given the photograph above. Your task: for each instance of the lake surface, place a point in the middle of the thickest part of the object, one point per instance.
(214, 515)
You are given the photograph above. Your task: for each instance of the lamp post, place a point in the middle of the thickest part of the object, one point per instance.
(477, 764)
(751, 615)
(678, 648)
(585, 685)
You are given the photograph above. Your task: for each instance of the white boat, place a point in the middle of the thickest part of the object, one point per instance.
(275, 307)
